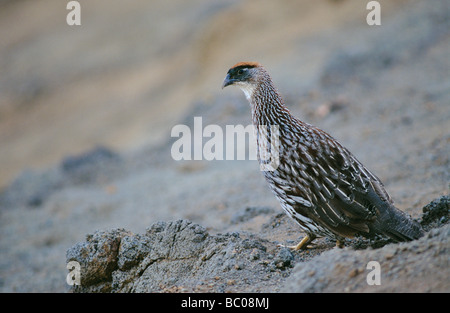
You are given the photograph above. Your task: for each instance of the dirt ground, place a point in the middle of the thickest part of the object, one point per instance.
(86, 114)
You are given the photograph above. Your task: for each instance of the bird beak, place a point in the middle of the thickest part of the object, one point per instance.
(227, 81)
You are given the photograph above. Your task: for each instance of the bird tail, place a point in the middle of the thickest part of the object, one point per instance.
(404, 228)
(397, 225)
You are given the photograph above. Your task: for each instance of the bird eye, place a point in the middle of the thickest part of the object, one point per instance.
(240, 72)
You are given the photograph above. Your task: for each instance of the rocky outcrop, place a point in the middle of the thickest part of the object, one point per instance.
(181, 256)
(175, 256)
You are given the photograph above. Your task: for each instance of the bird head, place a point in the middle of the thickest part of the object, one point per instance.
(244, 75)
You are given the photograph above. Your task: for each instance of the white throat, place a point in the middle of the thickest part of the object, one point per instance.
(248, 90)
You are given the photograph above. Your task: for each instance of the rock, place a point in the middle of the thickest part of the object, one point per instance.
(403, 268)
(249, 213)
(90, 166)
(31, 188)
(182, 256)
(170, 256)
(283, 259)
(97, 257)
(94, 157)
(436, 213)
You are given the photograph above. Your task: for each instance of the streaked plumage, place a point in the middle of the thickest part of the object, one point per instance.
(319, 183)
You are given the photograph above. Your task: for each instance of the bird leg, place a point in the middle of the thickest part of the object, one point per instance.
(303, 244)
(340, 243)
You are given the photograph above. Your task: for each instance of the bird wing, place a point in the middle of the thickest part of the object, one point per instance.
(343, 195)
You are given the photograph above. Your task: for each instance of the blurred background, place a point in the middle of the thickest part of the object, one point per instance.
(131, 70)
(134, 69)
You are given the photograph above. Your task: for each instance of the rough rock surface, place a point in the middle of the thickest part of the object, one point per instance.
(403, 268)
(176, 256)
(181, 256)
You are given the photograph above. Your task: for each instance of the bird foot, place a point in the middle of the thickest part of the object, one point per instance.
(294, 248)
(305, 243)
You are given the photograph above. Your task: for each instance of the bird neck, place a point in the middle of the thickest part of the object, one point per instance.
(267, 105)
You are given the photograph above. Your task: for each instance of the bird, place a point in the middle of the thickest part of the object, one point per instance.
(318, 182)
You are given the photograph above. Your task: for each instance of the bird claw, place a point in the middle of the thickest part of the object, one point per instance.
(340, 244)
(294, 248)
(305, 243)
